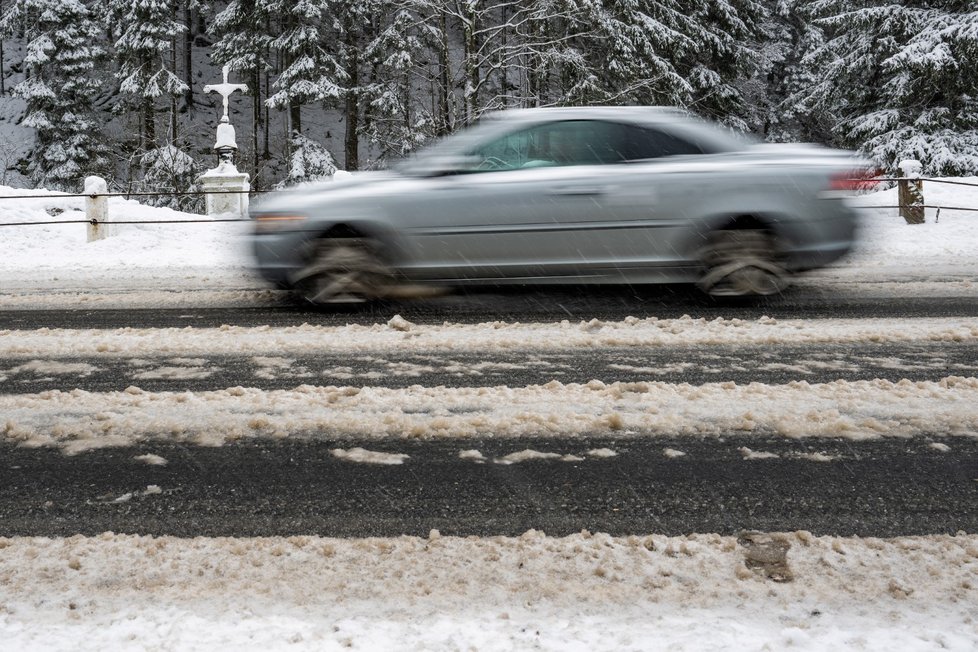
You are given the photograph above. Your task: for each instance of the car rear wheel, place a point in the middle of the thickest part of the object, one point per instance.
(742, 262)
(344, 271)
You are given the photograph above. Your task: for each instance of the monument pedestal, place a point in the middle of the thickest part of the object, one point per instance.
(226, 190)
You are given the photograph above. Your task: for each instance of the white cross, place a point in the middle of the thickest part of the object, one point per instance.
(225, 90)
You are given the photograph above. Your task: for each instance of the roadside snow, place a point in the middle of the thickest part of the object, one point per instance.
(80, 420)
(268, 342)
(582, 592)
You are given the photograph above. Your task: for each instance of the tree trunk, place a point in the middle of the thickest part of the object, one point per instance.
(295, 118)
(188, 51)
(444, 122)
(3, 66)
(471, 50)
(149, 124)
(256, 118)
(266, 149)
(351, 142)
(352, 139)
(173, 98)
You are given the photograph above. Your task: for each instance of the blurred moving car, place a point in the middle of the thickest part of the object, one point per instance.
(570, 195)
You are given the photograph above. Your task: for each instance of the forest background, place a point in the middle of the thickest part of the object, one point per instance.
(114, 87)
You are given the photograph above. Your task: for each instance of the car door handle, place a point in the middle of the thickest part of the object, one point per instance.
(577, 191)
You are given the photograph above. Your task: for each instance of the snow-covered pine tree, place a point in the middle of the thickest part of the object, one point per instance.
(59, 89)
(144, 54)
(355, 25)
(310, 70)
(790, 37)
(724, 32)
(309, 161)
(901, 80)
(394, 121)
(169, 169)
(633, 53)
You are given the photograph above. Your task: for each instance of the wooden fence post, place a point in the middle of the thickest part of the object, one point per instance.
(911, 191)
(96, 207)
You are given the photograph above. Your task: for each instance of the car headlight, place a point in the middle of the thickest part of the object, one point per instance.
(268, 222)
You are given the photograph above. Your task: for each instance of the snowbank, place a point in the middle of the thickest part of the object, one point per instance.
(400, 335)
(80, 420)
(582, 592)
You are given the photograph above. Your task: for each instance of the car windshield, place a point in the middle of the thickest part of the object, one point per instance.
(453, 145)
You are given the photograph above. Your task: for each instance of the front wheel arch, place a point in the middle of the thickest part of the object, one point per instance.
(742, 256)
(342, 267)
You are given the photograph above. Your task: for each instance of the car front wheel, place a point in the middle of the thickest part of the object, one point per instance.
(343, 271)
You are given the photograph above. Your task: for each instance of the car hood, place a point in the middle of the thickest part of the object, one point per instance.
(300, 197)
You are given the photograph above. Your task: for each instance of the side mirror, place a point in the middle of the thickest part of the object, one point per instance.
(437, 166)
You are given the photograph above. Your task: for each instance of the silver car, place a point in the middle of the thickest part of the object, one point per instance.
(590, 195)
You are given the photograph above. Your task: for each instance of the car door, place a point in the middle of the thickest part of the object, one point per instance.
(649, 196)
(529, 201)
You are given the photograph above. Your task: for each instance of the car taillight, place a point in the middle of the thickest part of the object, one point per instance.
(861, 179)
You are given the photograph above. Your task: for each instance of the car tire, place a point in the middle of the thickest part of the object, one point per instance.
(343, 271)
(742, 263)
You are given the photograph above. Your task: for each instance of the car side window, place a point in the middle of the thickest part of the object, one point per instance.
(646, 143)
(569, 142)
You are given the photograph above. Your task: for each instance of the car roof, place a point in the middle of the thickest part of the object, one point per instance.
(588, 112)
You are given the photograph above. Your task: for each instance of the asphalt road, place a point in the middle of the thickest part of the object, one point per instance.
(513, 305)
(886, 487)
(773, 364)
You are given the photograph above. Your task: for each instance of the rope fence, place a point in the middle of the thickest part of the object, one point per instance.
(129, 195)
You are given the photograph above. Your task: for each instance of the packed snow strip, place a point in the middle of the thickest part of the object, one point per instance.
(79, 420)
(400, 335)
(581, 592)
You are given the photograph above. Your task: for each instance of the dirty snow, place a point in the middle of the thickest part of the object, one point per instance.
(78, 420)
(309, 339)
(577, 593)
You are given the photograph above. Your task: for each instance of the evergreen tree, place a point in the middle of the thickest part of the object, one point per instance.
(59, 89)
(634, 50)
(395, 121)
(144, 53)
(900, 80)
(309, 161)
(791, 37)
(169, 170)
(311, 72)
(724, 32)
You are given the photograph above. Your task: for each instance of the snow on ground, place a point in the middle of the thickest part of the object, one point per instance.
(78, 420)
(946, 242)
(139, 264)
(308, 339)
(582, 592)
